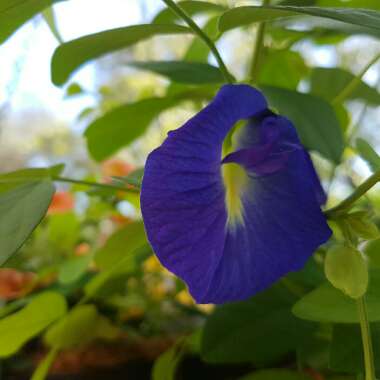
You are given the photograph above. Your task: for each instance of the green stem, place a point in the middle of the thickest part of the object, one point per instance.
(367, 340)
(358, 193)
(255, 63)
(190, 22)
(95, 184)
(351, 86)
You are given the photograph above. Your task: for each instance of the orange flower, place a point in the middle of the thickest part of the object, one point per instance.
(15, 284)
(62, 202)
(82, 249)
(115, 168)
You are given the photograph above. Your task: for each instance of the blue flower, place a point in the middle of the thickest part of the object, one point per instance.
(230, 227)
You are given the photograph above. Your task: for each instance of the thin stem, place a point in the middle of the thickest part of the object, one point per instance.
(367, 340)
(351, 86)
(255, 63)
(95, 184)
(358, 193)
(190, 22)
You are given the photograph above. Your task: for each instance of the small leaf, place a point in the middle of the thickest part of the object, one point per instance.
(346, 269)
(49, 16)
(73, 90)
(18, 328)
(167, 16)
(183, 72)
(327, 304)
(124, 124)
(372, 251)
(14, 13)
(21, 210)
(368, 154)
(362, 226)
(314, 119)
(81, 326)
(241, 16)
(69, 56)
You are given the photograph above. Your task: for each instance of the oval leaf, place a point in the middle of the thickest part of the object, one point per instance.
(69, 56)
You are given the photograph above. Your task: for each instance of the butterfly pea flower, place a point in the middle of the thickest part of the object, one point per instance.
(231, 226)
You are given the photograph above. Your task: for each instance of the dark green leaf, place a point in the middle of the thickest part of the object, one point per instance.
(314, 118)
(249, 331)
(166, 364)
(22, 326)
(346, 350)
(241, 16)
(329, 82)
(21, 210)
(167, 16)
(73, 269)
(327, 304)
(183, 72)
(14, 13)
(368, 154)
(71, 55)
(123, 125)
(372, 251)
(275, 374)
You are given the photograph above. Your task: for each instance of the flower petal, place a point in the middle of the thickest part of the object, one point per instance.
(185, 210)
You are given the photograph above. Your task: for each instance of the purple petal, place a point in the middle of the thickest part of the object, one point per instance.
(183, 200)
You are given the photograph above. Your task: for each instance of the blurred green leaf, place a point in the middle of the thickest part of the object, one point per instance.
(368, 154)
(329, 83)
(276, 63)
(361, 226)
(122, 243)
(134, 178)
(328, 304)
(249, 331)
(49, 16)
(166, 364)
(346, 349)
(123, 125)
(42, 370)
(167, 16)
(69, 56)
(73, 269)
(81, 326)
(18, 328)
(63, 231)
(372, 251)
(74, 89)
(182, 71)
(21, 210)
(241, 16)
(275, 374)
(346, 269)
(14, 13)
(314, 118)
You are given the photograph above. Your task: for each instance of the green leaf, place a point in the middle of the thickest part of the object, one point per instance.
(314, 118)
(167, 16)
(328, 83)
(346, 269)
(277, 63)
(51, 22)
(42, 370)
(328, 304)
(63, 230)
(166, 364)
(183, 72)
(20, 327)
(275, 374)
(241, 16)
(71, 55)
(21, 210)
(346, 349)
(134, 178)
(361, 225)
(372, 251)
(121, 244)
(14, 13)
(73, 90)
(249, 331)
(123, 125)
(81, 326)
(368, 154)
(73, 269)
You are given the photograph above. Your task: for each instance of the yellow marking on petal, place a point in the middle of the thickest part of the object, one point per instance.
(235, 180)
